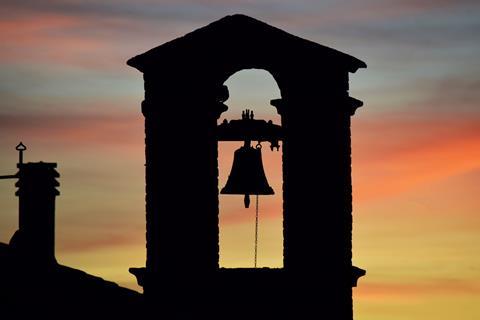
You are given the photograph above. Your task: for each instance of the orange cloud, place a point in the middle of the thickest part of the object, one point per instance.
(394, 153)
(397, 291)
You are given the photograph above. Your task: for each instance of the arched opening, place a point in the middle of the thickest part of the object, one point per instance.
(251, 89)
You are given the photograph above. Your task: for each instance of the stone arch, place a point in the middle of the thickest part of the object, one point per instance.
(267, 79)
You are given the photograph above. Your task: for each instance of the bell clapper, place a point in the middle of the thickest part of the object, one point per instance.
(246, 201)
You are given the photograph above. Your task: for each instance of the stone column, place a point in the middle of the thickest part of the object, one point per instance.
(181, 190)
(317, 200)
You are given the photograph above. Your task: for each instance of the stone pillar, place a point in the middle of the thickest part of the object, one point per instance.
(181, 191)
(35, 239)
(317, 196)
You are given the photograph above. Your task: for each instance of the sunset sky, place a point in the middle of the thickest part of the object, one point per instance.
(67, 93)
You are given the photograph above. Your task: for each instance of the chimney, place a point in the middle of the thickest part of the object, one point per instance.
(35, 239)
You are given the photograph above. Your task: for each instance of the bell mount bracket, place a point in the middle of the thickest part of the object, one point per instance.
(250, 129)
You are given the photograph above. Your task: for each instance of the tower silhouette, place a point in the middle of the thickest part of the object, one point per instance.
(184, 95)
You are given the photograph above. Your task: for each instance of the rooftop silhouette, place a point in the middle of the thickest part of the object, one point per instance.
(32, 280)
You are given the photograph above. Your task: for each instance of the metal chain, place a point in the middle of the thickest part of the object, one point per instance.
(256, 230)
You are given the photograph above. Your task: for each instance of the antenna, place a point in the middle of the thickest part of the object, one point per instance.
(20, 148)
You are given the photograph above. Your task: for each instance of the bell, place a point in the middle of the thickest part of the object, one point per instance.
(247, 175)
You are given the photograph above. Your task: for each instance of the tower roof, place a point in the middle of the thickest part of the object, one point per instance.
(237, 35)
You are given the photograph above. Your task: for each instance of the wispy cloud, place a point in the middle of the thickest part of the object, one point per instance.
(395, 152)
(91, 241)
(398, 291)
(74, 129)
(457, 94)
(58, 40)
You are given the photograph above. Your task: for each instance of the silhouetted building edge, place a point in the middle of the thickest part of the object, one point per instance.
(184, 98)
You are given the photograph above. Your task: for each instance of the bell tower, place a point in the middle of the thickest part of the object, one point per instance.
(184, 95)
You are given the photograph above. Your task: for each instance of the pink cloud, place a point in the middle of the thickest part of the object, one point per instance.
(75, 129)
(60, 39)
(37, 37)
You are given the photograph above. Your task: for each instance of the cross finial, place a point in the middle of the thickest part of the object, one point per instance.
(20, 148)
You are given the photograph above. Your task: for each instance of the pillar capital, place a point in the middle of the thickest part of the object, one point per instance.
(339, 102)
(206, 102)
(279, 104)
